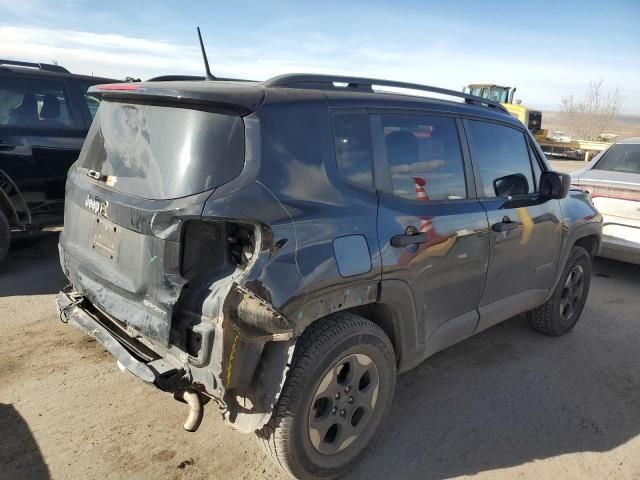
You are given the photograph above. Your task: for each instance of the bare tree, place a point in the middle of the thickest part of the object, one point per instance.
(588, 117)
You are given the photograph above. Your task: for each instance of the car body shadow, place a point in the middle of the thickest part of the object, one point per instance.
(32, 267)
(510, 395)
(20, 456)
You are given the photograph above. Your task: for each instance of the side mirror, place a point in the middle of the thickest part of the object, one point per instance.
(554, 185)
(509, 185)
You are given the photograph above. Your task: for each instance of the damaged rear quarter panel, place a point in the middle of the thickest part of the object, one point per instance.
(290, 188)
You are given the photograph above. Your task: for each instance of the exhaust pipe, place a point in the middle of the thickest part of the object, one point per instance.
(191, 398)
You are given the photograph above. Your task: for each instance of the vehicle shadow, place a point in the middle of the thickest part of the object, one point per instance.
(510, 395)
(20, 457)
(32, 267)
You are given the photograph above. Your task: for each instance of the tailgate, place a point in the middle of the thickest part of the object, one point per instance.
(144, 171)
(125, 260)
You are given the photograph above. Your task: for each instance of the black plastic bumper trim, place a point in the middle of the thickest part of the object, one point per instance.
(81, 319)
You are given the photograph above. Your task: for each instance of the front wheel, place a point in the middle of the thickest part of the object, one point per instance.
(337, 393)
(563, 309)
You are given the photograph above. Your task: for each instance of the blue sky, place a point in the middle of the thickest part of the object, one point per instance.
(547, 49)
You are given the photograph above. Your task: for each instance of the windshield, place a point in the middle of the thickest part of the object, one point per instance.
(621, 158)
(160, 152)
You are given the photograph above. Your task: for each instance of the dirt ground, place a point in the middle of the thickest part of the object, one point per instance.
(508, 403)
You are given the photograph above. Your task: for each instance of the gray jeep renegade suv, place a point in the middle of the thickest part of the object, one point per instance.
(286, 247)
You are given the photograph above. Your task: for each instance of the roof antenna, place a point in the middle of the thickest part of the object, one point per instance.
(209, 75)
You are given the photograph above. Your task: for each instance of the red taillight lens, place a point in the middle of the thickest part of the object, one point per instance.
(117, 86)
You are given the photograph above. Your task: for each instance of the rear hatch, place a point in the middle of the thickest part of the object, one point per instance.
(152, 157)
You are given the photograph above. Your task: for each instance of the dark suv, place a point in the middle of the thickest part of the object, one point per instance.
(286, 247)
(45, 113)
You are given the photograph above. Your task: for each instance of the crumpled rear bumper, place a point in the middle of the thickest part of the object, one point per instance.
(148, 368)
(244, 370)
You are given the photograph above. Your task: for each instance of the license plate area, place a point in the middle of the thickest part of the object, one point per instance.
(105, 238)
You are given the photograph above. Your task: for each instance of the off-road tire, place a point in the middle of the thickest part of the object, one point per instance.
(286, 438)
(5, 237)
(547, 318)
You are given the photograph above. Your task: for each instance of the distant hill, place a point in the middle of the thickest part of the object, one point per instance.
(624, 125)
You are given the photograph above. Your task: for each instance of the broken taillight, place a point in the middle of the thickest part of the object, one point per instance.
(216, 248)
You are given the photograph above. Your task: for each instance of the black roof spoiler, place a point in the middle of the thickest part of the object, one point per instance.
(359, 84)
(195, 78)
(175, 78)
(48, 67)
(242, 97)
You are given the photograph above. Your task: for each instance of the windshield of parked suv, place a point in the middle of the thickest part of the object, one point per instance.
(160, 152)
(621, 158)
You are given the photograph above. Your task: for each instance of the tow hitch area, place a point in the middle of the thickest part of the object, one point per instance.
(244, 371)
(131, 354)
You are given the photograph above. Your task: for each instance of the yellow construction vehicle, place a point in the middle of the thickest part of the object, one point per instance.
(504, 95)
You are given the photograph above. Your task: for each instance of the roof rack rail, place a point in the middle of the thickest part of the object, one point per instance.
(41, 66)
(328, 82)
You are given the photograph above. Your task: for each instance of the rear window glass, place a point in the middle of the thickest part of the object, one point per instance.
(621, 158)
(160, 152)
(34, 103)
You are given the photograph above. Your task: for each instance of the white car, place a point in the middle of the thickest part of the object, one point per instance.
(613, 181)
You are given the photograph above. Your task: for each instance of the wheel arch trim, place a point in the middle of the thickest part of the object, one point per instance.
(591, 229)
(398, 297)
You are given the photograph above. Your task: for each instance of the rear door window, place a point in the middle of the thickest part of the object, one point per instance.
(35, 103)
(424, 157)
(502, 156)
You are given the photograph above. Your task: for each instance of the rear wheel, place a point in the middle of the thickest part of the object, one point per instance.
(5, 237)
(338, 392)
(563, 309)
